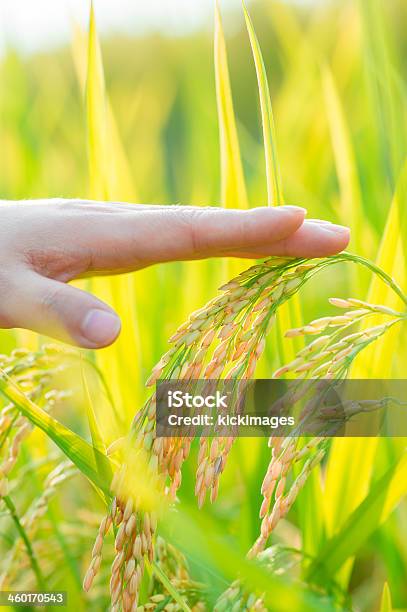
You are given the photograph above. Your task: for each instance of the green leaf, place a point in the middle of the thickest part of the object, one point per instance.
(312, 523)
(96, 107)
(289, 315)
(392, 256)
(351, 210)
(385, 604)
(383, 497)
(350, 462)
(387, 92)
(392, 259)
(274, 187)
(170, 587)
(27, 543)
(80, 452)
(95, 432)
(199, 536)
(96, 435)
(348, 474)
(110, 178)
(233, 184)
(89, 68)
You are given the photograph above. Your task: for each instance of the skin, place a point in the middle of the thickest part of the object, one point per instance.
(45, 244)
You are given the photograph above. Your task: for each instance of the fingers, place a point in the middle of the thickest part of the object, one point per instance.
(109, 238)
(61, 311)
(145, 235)
(313, 239)
(69, 241)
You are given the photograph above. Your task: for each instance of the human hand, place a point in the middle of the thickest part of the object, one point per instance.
(44, 244)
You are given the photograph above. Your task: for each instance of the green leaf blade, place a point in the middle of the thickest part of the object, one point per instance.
(233, 183)
(80, 452)
(274, 185)
(382, 499)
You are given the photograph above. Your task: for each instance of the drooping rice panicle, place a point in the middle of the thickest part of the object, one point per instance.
(236, 597)
(328, 356)
(30, 521)
(36, 381)
(225, 339)
(175, 567)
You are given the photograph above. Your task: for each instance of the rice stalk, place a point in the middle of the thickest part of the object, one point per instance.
(55, 479)
(63, 472)
(225, 339)
(238, 597)
(14, 427)
(27, 543)
(91, 462)
(173, 564)
(330, 355)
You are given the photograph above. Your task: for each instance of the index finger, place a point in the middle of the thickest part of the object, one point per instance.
(132, 239)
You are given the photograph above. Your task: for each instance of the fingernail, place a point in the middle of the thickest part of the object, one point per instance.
(328, 226)
(100, 327)
(319, 221)
(293, 208)
(336, 229)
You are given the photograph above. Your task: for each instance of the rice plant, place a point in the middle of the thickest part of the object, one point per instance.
(290, 521)
(236, 323)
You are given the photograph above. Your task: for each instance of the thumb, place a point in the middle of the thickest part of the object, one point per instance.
(63, 312)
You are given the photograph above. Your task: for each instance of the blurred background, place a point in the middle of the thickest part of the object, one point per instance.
(335, 71)
(337, 78)
(45, 24)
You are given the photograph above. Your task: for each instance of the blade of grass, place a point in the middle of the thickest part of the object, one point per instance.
(96, 117)
(392, 550)
(96, 435)
(274, 186)
(387, 96)
(392, 259)
(30, 471)
(121, 181)
(200, 537)
(106, 389)
(233, 183)
(347, 479)
(312, 523)
(351, 211)
(385, 604)
(351, 461)
(123, 361)
(30, 551)
(170, 587)
(233, 187)
(290, 314)
(383, 497)
(80, 452)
